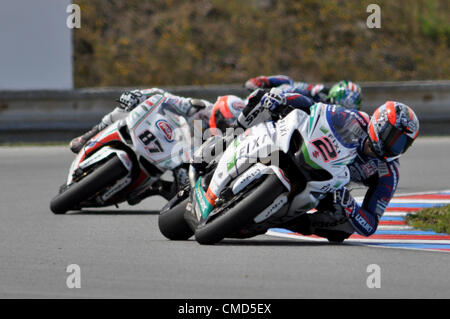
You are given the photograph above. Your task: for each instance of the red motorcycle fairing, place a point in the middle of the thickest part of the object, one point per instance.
(113, 137)
(95, 143)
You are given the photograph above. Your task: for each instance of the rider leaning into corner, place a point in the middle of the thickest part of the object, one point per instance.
(345, 93)
(220, 115)
(383, 139)
(224, 112)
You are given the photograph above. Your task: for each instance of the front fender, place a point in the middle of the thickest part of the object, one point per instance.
(99, 156)
(257, 171)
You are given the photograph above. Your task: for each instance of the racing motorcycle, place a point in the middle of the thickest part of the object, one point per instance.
(126, 159)
(244, 191)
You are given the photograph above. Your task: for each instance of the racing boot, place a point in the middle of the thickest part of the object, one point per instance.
(300, 224)
(332, 225)
(77, 143)
(325, 224)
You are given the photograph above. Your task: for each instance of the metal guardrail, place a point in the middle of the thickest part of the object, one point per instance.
(50, 112)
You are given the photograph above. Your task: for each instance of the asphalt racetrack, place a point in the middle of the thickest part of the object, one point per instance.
(121, 253)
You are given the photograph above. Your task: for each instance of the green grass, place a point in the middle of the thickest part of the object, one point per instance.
(436, 219)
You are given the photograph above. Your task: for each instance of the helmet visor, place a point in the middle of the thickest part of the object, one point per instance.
(396, 142)
(223, 122)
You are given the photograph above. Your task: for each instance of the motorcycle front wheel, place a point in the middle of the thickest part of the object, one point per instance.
(103, 176)
(172, 224)
(243, 212)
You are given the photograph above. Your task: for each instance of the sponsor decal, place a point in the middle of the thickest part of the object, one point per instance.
(252, 115)
(335, 142)
(166, 128)
(383, 169)
(283, 127)
(337, 185)
(363, 223)
(203, 204)
(308, 160)
(116, 188)
(247, 178)
(231, 163)
(272, 209)
(369, 169)
(326, 188)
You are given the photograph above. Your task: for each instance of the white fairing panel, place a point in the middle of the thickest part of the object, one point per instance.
(294, 121)
(159, 135)
(246, 150)
(98, 156)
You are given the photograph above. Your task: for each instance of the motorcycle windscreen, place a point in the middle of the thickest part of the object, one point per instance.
(345, 126)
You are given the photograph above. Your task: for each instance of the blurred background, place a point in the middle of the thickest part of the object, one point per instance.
(56, 81)
(177, 42)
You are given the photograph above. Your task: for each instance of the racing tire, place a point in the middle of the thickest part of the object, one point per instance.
(254, 202)
(172, 224)
(104, 175)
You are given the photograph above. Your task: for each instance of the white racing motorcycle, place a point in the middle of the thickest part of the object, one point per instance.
(126, 158)
(272, 173)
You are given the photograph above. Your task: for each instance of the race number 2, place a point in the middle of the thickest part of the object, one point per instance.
(325, 148)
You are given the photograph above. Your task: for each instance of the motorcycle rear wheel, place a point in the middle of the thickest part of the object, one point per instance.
(242, 213)
(103, 176)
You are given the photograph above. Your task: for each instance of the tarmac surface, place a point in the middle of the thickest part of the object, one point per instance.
(121, 253)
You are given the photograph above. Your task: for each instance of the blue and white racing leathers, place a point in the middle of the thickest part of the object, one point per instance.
(380, 176)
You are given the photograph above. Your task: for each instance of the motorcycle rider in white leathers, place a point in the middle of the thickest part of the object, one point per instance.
(384, 137)
(218, 115)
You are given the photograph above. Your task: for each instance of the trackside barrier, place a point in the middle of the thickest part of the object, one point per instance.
(47, 114)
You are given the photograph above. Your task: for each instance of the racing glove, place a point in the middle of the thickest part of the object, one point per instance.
(273, 99)
(197, 103)
(250, 111)
(130, 99)
(364, 222)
